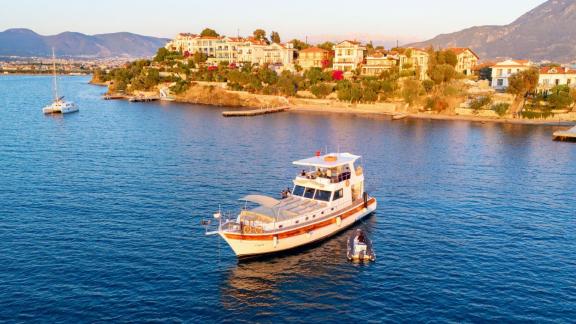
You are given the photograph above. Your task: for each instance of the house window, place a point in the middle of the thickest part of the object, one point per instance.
(509, 71)
(568, 81)
(500, 82)
(557, 82)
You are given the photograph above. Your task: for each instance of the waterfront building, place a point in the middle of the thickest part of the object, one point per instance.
(234, 50)
(277, 54)
(313, 57)
(415, 59)
(467, 60)
(551, 76)
(348, 56)
(502, 71)
(379, 62)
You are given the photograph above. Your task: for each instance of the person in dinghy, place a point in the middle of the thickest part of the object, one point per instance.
(360, 248)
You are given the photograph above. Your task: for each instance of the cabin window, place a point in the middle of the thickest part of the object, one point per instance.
(298, 191)
(323, 195)
(309, 193)
(338, 194)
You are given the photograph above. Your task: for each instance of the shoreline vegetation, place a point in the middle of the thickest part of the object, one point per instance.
(445, 94)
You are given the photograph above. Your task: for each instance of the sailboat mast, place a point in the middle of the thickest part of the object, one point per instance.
(54, 74)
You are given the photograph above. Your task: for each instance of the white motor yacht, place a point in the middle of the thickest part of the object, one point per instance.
(324, 200)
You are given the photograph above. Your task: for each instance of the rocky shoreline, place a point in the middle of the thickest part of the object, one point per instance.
(213, 95)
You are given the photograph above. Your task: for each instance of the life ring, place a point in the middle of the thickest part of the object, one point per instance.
(347, 183)
(247, 229)
(258, 230)
(338, 220)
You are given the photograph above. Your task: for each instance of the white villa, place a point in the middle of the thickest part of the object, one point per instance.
(234, 49)
(501, 71)
(555, 76)
(348, 55)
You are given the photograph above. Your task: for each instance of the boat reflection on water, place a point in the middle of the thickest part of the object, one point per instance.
(320, 275)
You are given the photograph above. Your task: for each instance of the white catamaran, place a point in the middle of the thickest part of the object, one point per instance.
(325, 200)
(59, 106)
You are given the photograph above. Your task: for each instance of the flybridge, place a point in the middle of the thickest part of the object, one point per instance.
(331, 160)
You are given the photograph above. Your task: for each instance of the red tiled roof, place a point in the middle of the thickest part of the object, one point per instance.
(460, 50)
(556, 70)
(313, 50)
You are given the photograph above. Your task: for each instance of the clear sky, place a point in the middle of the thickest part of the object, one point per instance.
(406, 20)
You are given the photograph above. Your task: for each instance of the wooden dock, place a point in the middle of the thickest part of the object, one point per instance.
(114, 97)
(143, 99)
(566, 136)
(254, 112)
(399, 116)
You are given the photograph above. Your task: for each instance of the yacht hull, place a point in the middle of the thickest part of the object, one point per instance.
(254, 245)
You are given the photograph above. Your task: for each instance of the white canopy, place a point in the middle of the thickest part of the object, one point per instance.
(328, 161)
(261, 200)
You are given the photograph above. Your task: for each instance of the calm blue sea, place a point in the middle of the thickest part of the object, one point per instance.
(100, 213)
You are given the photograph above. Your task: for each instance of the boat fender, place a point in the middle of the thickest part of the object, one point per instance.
(338, 220)
(275, 240)
(365, 196)
(347, 183)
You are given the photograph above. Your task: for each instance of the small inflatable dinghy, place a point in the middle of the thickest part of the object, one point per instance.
(360, 248)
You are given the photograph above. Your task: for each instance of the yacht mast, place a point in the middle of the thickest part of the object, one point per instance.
(54, 75)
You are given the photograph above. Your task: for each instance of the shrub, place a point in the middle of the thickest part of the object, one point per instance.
(501, 108)
(411, 90)
(428, 85)
(480, 102)
(436, 104)
(321, 90)
(337, 75)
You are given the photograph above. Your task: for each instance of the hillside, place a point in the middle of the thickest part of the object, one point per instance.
(25, 42)
(547, 32)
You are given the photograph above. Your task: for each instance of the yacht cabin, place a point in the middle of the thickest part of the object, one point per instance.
(327, 185)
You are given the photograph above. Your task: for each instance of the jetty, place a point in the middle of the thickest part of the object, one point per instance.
(399, 116)
(143, 99)
(566, 136)
(254, 112)
(114, 97)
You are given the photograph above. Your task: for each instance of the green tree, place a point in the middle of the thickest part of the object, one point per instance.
(207, 32)
(411, 90)
(327, 46)
(560, 98)
(199, 58)
(428, 85)
(321, 90)
(441, 73)
(260, 34)
(161, 54)
(298, 44)
(267, 76)
(315, 75)
(286, 85)
(523, 82)
(275, 37)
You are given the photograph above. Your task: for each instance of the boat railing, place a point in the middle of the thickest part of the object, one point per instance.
(323, 178)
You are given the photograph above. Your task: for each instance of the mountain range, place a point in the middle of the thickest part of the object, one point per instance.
(25, 42)
(547, 32)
